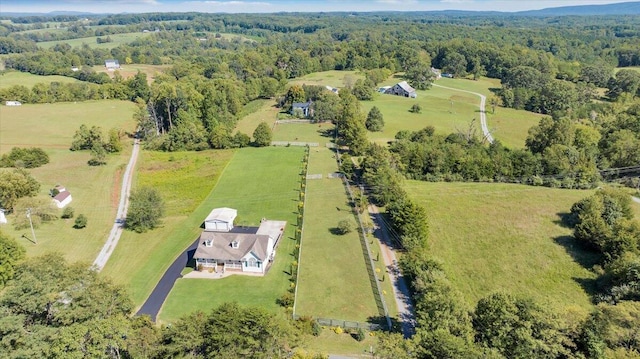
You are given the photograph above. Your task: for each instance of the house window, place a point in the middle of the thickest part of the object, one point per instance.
(253, 263)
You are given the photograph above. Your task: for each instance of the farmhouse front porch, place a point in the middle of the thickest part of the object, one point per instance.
(205, 274)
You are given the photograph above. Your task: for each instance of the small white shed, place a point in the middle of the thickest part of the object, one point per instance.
(220, 219)
(62, 199)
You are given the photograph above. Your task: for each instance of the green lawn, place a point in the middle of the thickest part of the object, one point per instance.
(130, 70)
(305, 132)
(332, 78)
(186, 180)
(333, 280)
(259, 183)
(636, 68)
(117, 40)
(449, 111)
(13, 78)
(95, 190)
(255, 112)
(436, 111)
(492, 237)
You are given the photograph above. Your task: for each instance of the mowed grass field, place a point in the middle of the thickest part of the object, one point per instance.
(13, 78)
(332, 78)
(333, 280)
(507, 237)
(117, 40)
(130, 70)
(450, 111)
(259, 183)
(94, 190)
(185, 181)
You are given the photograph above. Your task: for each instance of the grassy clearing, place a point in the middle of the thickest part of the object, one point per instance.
(185, 180)
(436, 112)
(117, 40)
(258, 182)
(94, 189)
(130, 70)
(449, 111)
(339, 344)
(13, 78)
(332, 78)
(333, 280)
(636, 68)
(53, 125)
(305, 132)
(493, 237)
(255, 112)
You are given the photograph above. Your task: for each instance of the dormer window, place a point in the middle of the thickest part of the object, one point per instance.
(208, 243)
(235, 244)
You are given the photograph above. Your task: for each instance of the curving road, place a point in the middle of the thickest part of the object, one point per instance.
(635, 199)
(483, 116)
(121, 214)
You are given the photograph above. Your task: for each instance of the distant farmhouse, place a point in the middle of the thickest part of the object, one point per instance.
(401, 89)
(302, 109)
(61, 197)
(223, 247)
(13, 103)
(112, 64)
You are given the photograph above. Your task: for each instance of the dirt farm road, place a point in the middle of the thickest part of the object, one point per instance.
(121, 214)
(483, 116)
(400, 289)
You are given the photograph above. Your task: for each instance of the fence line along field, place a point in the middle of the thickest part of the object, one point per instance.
(94, 189)
(259, 183)
(333, 279)
(507, 237)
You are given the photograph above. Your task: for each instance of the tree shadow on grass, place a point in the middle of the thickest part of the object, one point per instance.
(589, 285)
(584, 256)
(565, 219)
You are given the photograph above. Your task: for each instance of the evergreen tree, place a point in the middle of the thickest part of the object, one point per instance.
(375, 120)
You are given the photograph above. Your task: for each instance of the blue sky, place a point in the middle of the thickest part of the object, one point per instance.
(235, 6)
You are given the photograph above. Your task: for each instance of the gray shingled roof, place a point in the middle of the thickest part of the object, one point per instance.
(405, 86)
(221, 248)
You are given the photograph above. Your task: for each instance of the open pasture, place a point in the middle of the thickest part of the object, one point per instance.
(117, 40)
(94, 189)
(130, 70)
(259, 183)
(450, 111)
(437, 111)
(333, 78)
(12, 78)
(507, 237)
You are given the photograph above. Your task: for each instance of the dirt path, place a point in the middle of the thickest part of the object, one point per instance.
(118, 225)
(400, 289)
(483, 115)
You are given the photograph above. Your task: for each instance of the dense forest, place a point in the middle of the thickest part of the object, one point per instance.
(562, 67)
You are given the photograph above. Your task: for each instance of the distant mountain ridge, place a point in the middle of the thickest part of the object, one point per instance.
(624, 8)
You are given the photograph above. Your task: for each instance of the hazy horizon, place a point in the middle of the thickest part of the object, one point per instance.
(268, 6)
